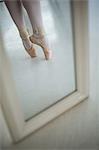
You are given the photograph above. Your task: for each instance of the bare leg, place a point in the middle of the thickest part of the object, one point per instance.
(33, 9)
(15, 10)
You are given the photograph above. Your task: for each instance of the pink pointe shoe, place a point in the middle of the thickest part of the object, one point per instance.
(40, 40)
(25, 39)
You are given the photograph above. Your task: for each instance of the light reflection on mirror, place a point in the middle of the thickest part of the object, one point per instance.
(40, 83)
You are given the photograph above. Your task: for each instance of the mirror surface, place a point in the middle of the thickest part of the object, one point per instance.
(40, 83)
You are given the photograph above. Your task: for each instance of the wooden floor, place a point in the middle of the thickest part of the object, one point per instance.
(78, 128)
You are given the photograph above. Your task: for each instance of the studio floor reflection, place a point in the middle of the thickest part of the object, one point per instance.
(40, 83)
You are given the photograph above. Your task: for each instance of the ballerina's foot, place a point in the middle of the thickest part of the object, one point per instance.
(31, 52)
(28, 45)
(48, 54)
(41, 41)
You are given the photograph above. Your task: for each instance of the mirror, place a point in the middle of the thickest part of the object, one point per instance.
(40, 83)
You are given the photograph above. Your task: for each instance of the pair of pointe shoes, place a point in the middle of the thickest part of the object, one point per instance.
(38, 40)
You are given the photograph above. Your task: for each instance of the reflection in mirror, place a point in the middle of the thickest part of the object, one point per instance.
(40, 83)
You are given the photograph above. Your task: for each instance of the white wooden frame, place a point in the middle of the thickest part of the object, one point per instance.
(9, 101)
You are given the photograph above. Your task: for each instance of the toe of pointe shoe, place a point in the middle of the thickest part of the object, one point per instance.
(31, 52)
(48, 55)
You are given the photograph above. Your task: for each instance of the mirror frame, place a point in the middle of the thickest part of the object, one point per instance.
(12, 111)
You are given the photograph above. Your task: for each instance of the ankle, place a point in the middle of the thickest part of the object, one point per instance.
(38, 32)
(23, 34)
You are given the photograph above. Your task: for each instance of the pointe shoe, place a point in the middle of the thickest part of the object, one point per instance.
(40, 40)
(30, 51)
(25, 38)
